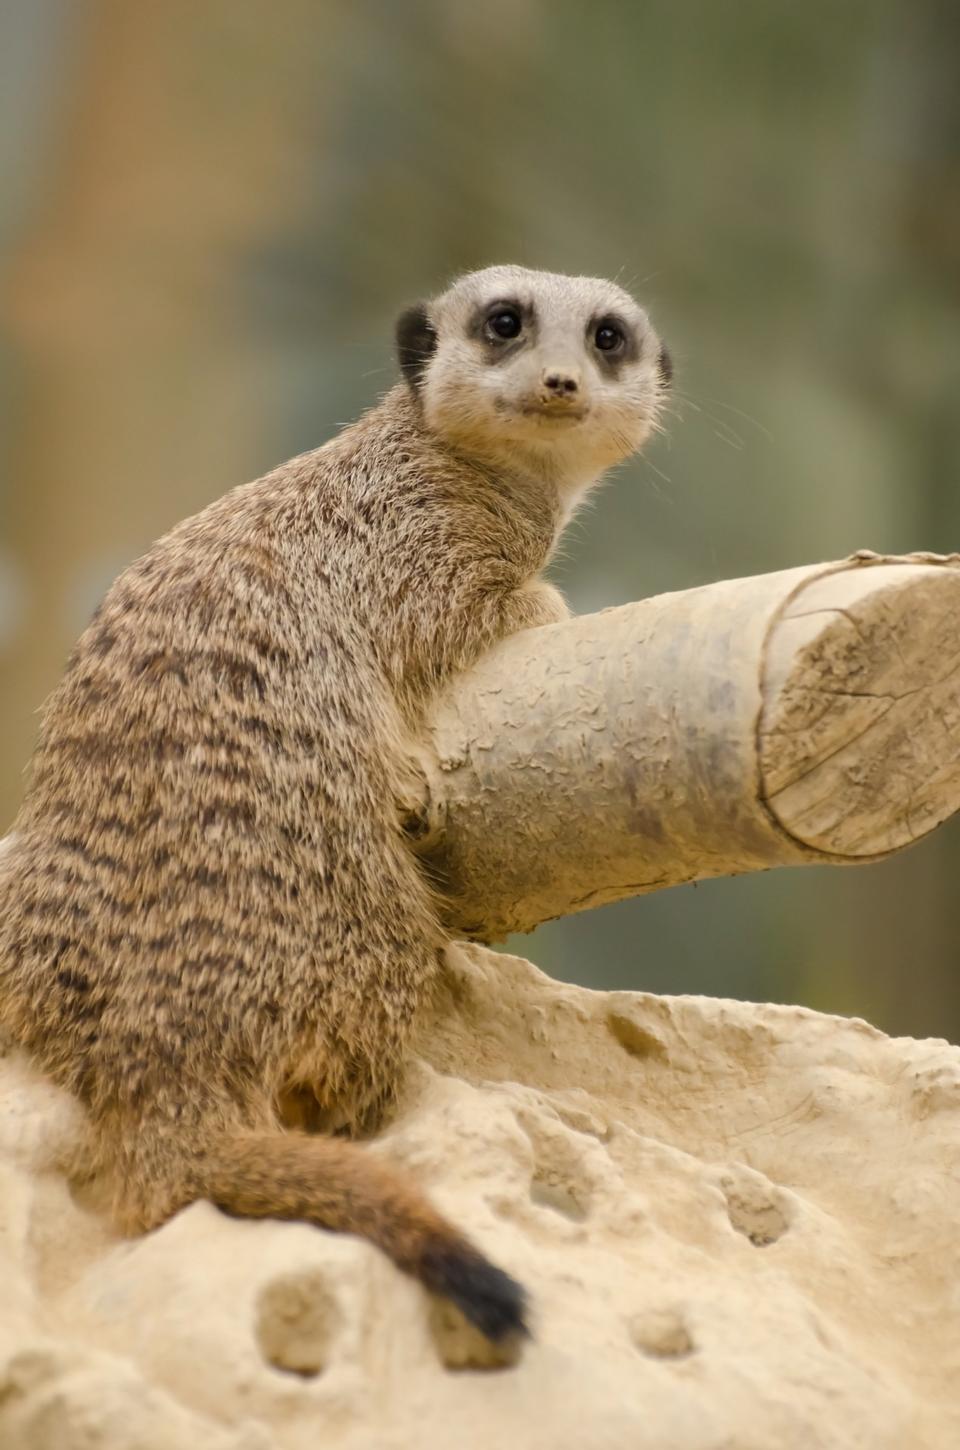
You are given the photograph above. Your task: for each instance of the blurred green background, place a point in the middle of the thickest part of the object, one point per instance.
(211, 213)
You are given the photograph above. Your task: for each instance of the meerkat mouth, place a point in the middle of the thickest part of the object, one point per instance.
(553, 412)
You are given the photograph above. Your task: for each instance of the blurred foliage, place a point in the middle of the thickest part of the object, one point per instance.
(211, 213)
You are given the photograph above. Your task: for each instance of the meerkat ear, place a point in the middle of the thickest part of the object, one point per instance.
(665, 366)
(416, 341)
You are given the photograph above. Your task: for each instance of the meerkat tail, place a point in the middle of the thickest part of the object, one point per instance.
(341, 1186)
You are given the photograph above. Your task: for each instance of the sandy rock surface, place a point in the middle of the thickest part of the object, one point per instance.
(738, 1225)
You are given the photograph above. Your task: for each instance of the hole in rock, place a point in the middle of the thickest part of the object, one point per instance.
(549, 1191)
(560, 1180)
(633, 1038)
(581, 1121)
(662, 1333)
(297, 1317)
(754, 1211)
(460, 1346)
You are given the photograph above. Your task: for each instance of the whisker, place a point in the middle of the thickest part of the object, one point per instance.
(658, 471)
(724, 430)
(747, 417)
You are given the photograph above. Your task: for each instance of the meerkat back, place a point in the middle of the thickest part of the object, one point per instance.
(207, 905)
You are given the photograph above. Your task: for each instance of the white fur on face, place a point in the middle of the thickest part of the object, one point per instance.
(492, 402)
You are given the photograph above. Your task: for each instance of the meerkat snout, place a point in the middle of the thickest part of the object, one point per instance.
(561, 383)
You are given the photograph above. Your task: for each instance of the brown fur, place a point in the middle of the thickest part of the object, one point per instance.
(208, 905)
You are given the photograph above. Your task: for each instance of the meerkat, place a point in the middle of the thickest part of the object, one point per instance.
(208, 906)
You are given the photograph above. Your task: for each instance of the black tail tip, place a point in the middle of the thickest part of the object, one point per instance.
(484, 1294)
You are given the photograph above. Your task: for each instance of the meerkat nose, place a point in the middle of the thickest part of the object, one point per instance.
(560, 381)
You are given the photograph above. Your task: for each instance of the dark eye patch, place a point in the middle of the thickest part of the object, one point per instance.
(503, 326)
(612, 341)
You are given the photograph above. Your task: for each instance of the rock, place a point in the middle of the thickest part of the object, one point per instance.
(737, 1223)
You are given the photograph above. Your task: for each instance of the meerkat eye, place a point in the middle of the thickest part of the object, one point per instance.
(504, 323)
(608, 337)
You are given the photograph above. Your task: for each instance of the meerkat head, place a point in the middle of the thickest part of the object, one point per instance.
(562, 376)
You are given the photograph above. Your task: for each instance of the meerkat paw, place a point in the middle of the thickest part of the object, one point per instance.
(545, 603)
(412, 800)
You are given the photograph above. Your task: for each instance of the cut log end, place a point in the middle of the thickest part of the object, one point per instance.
(859, 734)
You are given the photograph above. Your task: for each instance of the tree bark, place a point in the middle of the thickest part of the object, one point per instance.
(805, 717)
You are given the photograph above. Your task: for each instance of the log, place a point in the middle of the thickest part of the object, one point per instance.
(805, 717)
